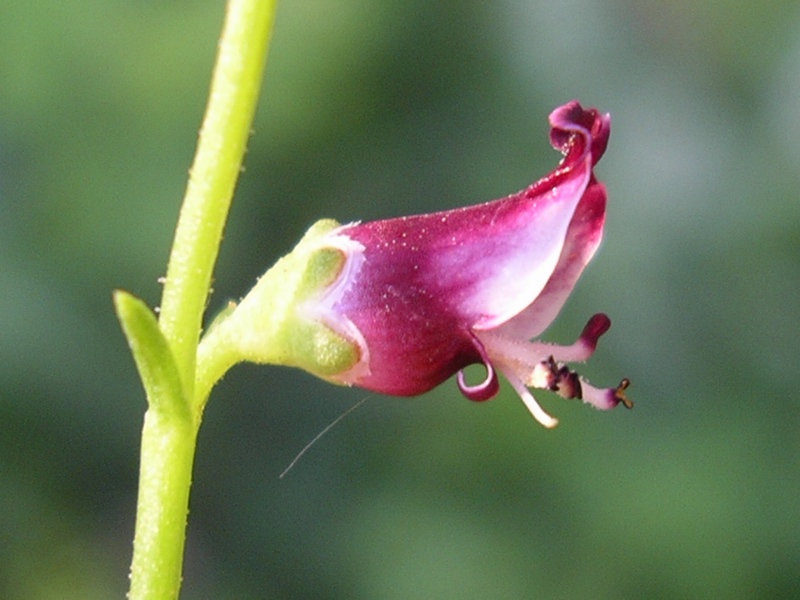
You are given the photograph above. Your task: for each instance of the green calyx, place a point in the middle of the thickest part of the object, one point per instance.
(280, 320)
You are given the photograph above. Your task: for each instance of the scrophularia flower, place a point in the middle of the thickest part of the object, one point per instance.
(417, 299)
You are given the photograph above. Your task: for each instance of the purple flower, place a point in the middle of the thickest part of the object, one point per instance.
(425, 296)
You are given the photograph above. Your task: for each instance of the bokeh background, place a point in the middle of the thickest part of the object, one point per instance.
(377, 108)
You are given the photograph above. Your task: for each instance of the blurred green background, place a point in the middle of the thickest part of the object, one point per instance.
(377, 108)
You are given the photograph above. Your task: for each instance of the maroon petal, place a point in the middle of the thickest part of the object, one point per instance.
(426, 282)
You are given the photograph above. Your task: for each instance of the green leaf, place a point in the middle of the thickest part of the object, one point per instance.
(153, 356)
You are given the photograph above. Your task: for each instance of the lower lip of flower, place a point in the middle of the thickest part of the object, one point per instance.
(543, 366)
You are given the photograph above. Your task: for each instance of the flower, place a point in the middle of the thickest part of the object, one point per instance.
(425, 296)
(398, 306)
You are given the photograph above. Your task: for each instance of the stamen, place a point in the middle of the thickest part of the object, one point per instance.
(531, 404)
(559, 378)
(619, 393)
(607, 398)
(556, 377)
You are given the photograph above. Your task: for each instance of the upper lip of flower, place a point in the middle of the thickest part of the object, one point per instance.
(431, 294)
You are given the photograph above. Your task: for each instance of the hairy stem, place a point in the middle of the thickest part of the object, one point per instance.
(223, 139)
(169, 437)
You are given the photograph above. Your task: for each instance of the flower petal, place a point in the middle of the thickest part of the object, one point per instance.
(485, 390)
(427, 282)
(582, 240)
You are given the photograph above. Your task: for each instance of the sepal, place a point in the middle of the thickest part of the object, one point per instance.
(282, 320)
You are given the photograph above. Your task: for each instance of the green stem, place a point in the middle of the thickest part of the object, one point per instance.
(165, 474)
(169, 437)
(223, 139)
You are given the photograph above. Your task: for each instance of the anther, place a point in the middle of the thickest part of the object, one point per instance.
(619, 393)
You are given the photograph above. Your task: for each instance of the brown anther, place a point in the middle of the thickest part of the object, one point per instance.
(562, 380)
(552, 364)
(552, 368)
(619, 393)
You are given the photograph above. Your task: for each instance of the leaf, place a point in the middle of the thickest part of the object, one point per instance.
(152, 355)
